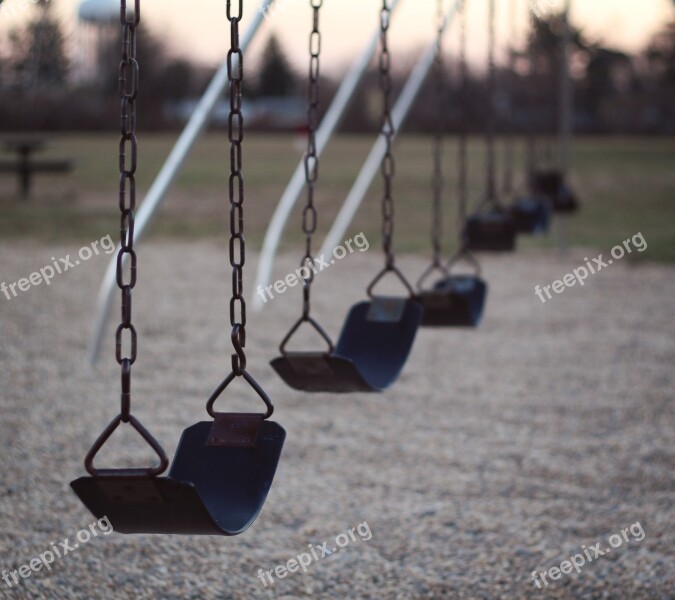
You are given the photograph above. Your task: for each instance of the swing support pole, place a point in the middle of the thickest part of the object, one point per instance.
(372, 165)
(292, 192)
(168, 173)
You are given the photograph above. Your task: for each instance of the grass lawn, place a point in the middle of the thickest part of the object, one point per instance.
(626, 185)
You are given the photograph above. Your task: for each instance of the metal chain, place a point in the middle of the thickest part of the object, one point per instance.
(389, 132)
(235, 132)
(128, 148)
(566, 124)
(437, 180)
(309, 214)
(463, 160)
(540, 144)
(235, 73)
(533, 95)
(509, 133)
(491, 116)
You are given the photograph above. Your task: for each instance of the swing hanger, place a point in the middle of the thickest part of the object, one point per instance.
(437, 182)
(532, 210)
(377, 336)
(551, 181)
(491, 228)
(463, 254)
(223, 469)
(454, 300)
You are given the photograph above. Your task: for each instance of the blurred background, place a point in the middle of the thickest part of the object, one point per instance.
(58, 78)
(500, 450)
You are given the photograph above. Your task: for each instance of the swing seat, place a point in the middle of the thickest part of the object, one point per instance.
(491, 231)
(378, 336)
(217, 485)
(566, 201)
(455, 301)
(374, 345)
(552, 184)
(532, 214)
(547, 183)
(320, 372)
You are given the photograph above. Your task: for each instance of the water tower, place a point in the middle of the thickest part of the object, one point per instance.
(98, 24)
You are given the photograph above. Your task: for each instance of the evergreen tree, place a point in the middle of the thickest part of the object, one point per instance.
(39, 55)
(276, 77)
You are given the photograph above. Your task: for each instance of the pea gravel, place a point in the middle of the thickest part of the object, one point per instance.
(499, 452)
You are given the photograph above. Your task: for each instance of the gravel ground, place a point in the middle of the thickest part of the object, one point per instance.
(499, 452)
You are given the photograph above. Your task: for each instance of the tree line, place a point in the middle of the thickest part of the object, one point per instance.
(614, 92)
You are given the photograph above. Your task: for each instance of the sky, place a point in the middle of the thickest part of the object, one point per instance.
(198, 28)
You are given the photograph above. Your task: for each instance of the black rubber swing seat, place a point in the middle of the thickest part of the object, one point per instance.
(552, 184)
(454, 300)
(493, 230)
(566, 201)
(373, 347)
(532, 214)
(217, 485)
(547, 182)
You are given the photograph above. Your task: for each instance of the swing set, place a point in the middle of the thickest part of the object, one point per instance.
(223, 468)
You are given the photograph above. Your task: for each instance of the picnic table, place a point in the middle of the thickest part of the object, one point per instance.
(24, 166)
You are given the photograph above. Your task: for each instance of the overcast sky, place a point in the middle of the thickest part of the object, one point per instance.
(199, 29)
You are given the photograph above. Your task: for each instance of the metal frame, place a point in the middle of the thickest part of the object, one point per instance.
(372, 165)
(200, 119)
(168, 173)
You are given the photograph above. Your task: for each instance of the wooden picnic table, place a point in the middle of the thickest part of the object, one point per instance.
(25, 166)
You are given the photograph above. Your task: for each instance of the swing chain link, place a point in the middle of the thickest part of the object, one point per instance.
(491, 108)
(389, 132)
(437, 180)
(463, 158)
(237, 246)
(128, 90)
(309, 214)
(128, 149)
(463, 252)
(509, 132)
(533, 74)
(388, 166)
